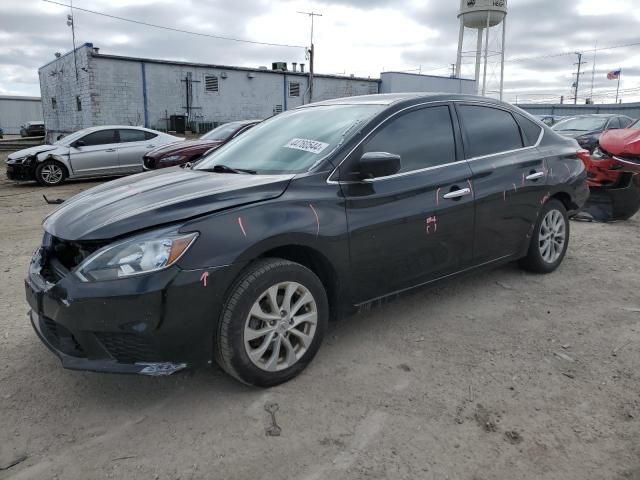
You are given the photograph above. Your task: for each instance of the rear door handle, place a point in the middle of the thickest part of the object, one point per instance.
(457, 193)
(110, 150)
(535, 176)
(150, 146)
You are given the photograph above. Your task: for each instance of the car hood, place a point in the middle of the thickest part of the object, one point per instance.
(156, 198)
(621, 142)
(32, 151)
(184, 147)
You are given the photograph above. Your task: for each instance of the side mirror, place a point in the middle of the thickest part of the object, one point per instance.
(78, 143)
(378, 164)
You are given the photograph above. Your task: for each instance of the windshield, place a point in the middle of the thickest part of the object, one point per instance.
(293, 141)
(223, 131)
(583, 124)
(72, 137)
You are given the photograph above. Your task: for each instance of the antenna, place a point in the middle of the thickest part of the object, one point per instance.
(311, 52)
(71, 23)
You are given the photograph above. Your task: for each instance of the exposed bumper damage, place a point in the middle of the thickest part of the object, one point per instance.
(614, 179)
(135, 325)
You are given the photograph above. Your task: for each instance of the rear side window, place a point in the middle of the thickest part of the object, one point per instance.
(423, 138)
(149, 135)
(530, 130)
(488, 130)
(130, 135)
(102, 137)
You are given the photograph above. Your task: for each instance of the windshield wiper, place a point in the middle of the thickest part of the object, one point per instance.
(226, 169)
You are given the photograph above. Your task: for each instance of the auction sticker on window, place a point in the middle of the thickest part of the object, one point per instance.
(306, 145)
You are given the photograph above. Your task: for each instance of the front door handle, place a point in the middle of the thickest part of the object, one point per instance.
(151, 146)
(457, 193)
(110, 150)
(535, 176)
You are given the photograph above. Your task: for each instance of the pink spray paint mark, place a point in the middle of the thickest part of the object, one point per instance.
(470, 187)
(438, 196)
(432, 222)
(545, 198)
(523, 179)
(317, 220)
(568, 169)
(515, 189)
(242, 226)
(203, 278)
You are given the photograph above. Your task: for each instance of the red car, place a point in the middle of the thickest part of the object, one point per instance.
(614, 174)
(182, 152)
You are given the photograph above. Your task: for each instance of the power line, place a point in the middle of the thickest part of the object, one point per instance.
(164, 27)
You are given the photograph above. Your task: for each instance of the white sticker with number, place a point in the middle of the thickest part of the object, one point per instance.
(306, 145)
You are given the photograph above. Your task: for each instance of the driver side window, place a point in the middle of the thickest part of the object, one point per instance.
(423, 138)
(102, 137)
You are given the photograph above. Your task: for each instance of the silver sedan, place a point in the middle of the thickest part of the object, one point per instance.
(92, 152)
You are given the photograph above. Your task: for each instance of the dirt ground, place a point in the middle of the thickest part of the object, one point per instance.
(498, 375)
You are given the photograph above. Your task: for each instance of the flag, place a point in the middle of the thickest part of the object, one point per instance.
(614, 75)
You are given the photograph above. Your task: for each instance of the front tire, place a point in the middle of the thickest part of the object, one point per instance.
(272, 323)
(50, 173)
(550, 239)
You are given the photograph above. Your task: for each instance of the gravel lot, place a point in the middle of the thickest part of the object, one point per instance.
(497, 375)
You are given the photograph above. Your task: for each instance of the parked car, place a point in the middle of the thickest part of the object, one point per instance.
(614, 175)
(92, 152)
(32, 129)
(586, 129)
(244, 257)
(190, 150)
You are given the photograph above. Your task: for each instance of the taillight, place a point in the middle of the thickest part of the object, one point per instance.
(585, 156)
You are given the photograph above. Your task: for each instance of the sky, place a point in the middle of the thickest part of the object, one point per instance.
(361, 37)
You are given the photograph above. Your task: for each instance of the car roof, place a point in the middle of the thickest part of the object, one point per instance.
(389, 99)
(119, 127)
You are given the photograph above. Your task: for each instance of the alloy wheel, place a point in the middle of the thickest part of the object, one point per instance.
(51, 173)
(552, 237)
(281, 326)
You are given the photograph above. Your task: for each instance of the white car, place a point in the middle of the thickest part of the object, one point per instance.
(92, 152)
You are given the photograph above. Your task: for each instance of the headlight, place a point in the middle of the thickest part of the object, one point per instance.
(135, 256)
(583, 140)
(16, 161)
(172, 158)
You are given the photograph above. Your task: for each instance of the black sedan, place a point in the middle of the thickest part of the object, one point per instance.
(586, 129)
(310, 215)
(32, 129)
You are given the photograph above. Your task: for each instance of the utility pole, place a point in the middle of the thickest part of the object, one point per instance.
(71, 23)
(311, 53)
(593, 70)
(453, 70)
(577, 84)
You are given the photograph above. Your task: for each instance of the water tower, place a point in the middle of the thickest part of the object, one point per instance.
(483, 25)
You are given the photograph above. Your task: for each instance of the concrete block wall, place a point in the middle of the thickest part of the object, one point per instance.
(58, 81)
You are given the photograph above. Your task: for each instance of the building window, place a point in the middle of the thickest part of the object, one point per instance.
(210, 83)
(54, 103)
(277, 109)
(294, 89)
(78, 104)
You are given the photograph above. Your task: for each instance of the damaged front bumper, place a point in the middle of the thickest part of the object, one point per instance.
(24, 171)
(155, 324)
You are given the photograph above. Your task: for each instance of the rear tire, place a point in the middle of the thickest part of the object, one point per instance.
(50, 173)
(272, 323)
(550, 239)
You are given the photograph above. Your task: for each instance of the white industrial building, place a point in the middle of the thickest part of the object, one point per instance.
(90, 88)
(16, 111)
